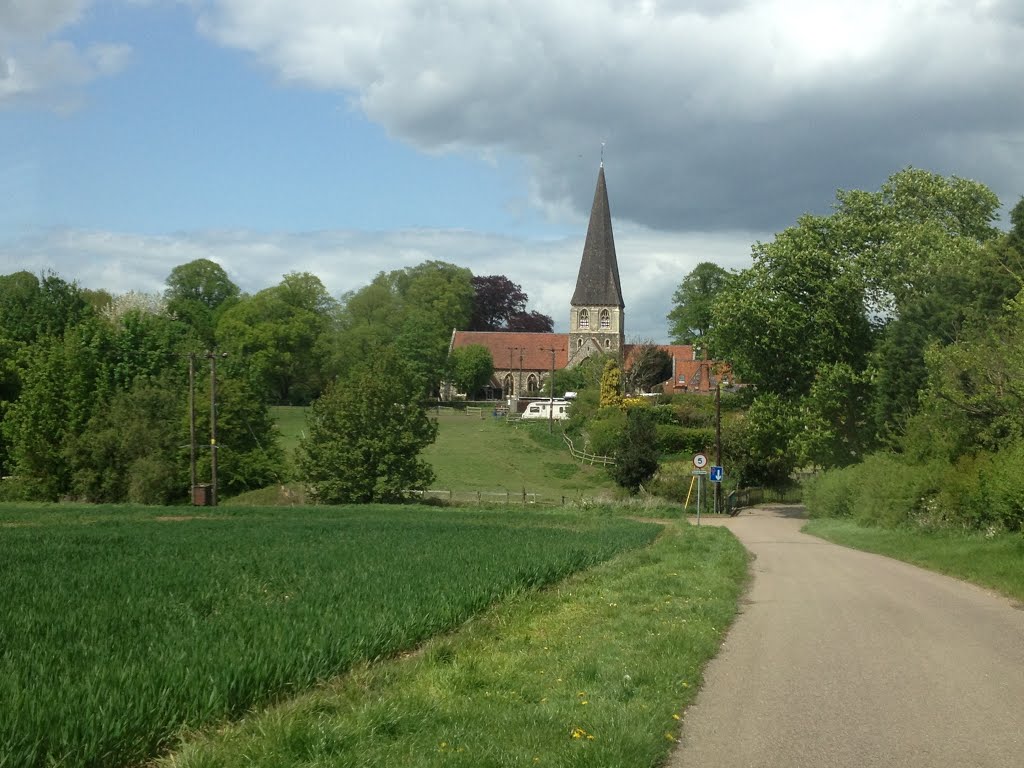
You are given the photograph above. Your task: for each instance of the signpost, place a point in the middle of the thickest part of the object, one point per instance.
(699, 462)
(716, 475)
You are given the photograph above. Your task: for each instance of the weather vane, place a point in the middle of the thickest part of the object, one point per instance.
(602, 154)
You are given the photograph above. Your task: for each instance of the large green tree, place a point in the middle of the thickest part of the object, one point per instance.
(280, 334)
(413, 310)
(799, 307)
(691, 317)
(471, 368)
(365, 436)
(197, 294)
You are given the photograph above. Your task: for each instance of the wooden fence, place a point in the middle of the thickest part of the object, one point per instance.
(584, 457)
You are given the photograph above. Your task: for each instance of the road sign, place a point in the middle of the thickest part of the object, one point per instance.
(700, 461)
(699, 472)
(716, 474)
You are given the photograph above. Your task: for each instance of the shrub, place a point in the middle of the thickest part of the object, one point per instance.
(675, 439)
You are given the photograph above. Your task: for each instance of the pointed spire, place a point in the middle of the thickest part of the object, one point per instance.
(598, 280)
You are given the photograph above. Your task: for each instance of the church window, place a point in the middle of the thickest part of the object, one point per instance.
(607, 343)
(508, 386)
(531, 384)
(606, 319)
(584, 319)
(579, 343)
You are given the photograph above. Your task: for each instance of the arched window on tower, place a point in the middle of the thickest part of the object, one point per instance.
(584, 320)
(579, 343)
(606, 319)
(607, 343)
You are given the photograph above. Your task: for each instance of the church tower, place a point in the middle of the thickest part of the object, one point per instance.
(596, 314)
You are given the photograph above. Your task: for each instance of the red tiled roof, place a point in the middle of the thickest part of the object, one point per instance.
(535, 347)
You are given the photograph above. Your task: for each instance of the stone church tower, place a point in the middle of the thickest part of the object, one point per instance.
(596, 314)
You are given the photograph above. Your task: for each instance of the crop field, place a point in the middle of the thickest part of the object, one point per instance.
(124, 627)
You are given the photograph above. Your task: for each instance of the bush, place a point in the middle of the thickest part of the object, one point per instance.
(605, 431)
(636, 455)
(688, 440)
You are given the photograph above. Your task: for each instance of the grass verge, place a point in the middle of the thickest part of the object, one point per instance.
(996, 562)
(593, 672)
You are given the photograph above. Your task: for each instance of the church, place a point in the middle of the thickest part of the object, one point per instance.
(524, 361)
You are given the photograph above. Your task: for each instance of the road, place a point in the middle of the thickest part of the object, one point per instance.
(842, 658)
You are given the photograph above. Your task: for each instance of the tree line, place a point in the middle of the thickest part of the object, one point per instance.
(94, 387)
(886, 334)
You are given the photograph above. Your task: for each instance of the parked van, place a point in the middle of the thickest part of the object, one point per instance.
(547, 409)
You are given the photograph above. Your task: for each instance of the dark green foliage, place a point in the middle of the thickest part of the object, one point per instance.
(603, 431)
(132, 450)
(365, 436)
(279, 333)
(672, 438)
(636, 454)
(471, 368)
(123, 628)
(691, 317)
(197, 294)
(760, 446)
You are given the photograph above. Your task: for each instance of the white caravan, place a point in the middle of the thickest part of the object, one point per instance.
(547, 409)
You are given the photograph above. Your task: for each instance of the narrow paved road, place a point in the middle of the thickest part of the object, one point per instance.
(845, 659)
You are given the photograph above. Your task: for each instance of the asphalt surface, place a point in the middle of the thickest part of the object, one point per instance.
(842, 658)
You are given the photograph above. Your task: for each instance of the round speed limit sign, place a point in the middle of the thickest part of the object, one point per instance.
(700, 461)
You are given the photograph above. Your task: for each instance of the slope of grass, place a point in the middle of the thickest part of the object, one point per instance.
(594, 672)
(996, 562)
(486, 454)
(123, 625)
(291, 424)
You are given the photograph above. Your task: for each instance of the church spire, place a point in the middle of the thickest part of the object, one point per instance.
(598, 280)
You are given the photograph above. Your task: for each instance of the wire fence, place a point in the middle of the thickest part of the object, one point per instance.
(585, 457)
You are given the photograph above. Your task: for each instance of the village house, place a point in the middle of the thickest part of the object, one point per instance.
(524, 361)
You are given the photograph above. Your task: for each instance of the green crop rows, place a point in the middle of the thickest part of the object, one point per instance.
(120, 628)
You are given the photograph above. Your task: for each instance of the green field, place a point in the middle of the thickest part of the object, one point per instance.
(482, 454)
(124, 627)
(488, 455)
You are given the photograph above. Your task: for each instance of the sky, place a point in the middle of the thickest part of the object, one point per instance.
(348, 138)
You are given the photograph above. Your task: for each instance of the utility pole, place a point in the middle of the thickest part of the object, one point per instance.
(551, 389)
(213, 425)
(718, 443)
(192, 423)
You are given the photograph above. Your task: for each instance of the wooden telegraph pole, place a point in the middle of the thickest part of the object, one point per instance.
(213, 425)
(551, 388)
(718, 444)
(192, 424)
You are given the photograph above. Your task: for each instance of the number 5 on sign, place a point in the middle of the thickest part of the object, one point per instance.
(700, 461)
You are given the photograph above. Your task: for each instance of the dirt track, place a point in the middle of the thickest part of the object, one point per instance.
(845, 659)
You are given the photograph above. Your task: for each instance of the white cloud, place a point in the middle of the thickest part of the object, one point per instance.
(652, 264)
(38, 67)
(717, 114)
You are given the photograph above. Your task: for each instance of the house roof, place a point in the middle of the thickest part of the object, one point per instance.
(598, 281)
(505, 346)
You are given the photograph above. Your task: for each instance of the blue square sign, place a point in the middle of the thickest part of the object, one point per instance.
(716, 474)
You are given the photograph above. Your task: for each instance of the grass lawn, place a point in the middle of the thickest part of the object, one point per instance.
(291, 424)
(595, 671)
(996, 562)
(488, 455)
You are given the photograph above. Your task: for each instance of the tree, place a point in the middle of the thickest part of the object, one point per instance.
(611, 384)
(636, 454)
(472, 367)
(279, 333)
(651, 366)
(500, 305)
(799, 307)
(691, 317)
(198, 293)
(365, 436)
